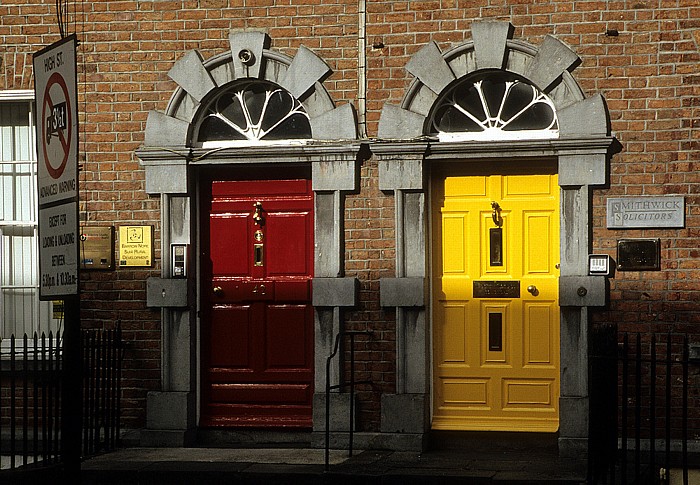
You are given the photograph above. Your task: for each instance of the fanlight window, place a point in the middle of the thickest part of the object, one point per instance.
(494, 107)
(252, 112)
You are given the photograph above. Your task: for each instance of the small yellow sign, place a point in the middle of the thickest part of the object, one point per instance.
(135, 246)
(58, 309)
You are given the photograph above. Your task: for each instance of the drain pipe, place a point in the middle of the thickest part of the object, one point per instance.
(362, 68)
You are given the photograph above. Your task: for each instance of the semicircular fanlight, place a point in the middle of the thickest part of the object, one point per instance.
(496, 106)
(253, 111)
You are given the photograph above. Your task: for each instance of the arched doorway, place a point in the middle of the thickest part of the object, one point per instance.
(483, 123)
(251, 145)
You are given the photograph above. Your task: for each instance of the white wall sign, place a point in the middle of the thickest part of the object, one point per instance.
(58, 250)
(55, 89)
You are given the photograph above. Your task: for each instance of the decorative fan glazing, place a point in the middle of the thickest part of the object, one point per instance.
(495, 107)
(250, 112)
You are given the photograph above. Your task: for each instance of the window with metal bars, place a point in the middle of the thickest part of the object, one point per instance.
(20, 309)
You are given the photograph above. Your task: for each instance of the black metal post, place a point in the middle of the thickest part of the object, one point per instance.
(58, 372)
(44, 400)
(25, 399)
(50, 378)
(35, 398)
(351, 429)
(85, 338)
(72, 391)
(625, 375)
(120, 357)
(669, 340)
(652, 406)
(13, 401)
(686, 357)
(638, 410)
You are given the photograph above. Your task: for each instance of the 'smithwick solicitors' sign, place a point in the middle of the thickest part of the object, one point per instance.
(55, 89)
(646, 212)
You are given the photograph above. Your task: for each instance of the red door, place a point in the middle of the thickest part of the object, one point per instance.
(257, 318)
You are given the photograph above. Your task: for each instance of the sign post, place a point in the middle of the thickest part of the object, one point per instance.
(55, 87)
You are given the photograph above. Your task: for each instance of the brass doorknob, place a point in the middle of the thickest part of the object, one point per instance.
(532, 289)
(218, 291)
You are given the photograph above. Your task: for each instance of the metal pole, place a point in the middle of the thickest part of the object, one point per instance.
(72, 392)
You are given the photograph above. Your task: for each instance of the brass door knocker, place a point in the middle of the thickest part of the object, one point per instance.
(258, 214)
(496, 215)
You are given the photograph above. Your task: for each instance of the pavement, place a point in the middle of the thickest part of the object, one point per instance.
(214, 466)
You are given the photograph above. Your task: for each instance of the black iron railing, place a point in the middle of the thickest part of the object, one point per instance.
(30, 397)
(351, 385)
(102, 358)
(30, 401)
(639, 407)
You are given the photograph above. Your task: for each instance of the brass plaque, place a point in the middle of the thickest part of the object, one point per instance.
(97, 247)
(497, 289)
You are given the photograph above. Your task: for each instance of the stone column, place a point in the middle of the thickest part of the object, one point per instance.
(332, 292)
(171, 411)
(407, 412)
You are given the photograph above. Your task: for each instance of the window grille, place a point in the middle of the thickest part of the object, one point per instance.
(20, 309)
(252, 112)
(494, 106)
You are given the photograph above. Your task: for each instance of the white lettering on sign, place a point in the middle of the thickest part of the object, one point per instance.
(55, 87)
(58, 250)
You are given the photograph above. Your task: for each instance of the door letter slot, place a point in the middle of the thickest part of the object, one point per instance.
(495, 332)
(258, 254)
(496, 246)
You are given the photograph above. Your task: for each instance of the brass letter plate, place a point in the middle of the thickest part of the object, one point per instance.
(497, 289)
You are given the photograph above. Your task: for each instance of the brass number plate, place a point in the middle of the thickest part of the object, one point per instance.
(497, 289)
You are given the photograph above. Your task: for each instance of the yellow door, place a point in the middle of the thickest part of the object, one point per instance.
(495, 295)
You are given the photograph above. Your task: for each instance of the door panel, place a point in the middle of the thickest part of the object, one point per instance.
(495, 303)
(230, 343)
(287, 248)
(257, 318)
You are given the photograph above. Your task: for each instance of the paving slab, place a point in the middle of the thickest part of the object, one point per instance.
(213, 466)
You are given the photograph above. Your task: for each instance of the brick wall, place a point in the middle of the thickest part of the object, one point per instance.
(369, 256)
(643, 56)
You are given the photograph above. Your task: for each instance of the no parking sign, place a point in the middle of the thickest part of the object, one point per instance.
(55, 87)
(57, 123)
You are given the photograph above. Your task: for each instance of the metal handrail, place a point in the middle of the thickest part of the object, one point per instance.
(352, 334)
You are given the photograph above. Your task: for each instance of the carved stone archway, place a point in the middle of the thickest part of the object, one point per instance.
(406, 149)
(172, 156)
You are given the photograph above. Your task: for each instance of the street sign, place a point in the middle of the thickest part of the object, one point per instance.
(58, 250)
(55, 88)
